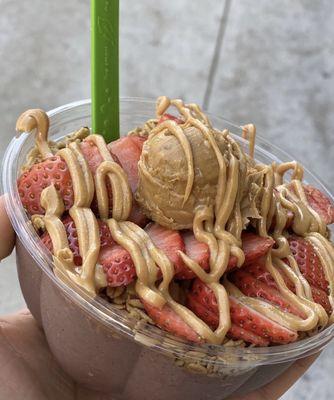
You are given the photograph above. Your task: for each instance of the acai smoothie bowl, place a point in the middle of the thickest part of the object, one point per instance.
(187, 259)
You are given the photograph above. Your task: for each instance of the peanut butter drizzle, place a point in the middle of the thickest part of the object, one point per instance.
(82, 187)
(218, 226)
(122, 195)
(304, 222)
(38, 120)
(88, 236)
(249, 133)
(325, 252)
(280, 170)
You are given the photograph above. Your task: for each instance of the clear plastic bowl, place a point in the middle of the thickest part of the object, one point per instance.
(99, 345)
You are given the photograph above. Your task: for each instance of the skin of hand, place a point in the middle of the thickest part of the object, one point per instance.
(29, 371)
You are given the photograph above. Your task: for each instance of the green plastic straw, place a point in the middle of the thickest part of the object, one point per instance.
(105, 68)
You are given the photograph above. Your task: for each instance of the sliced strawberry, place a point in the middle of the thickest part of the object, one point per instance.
(94, 159)
(128, 153)
(237, 333)
(115, 260)
(167, 117)
(167, 319)
(254, 247)
(139, 141)
(31, 183)
(118, 266)
(72, 236)
(169, 241)
(320, 297)
(202, 302)
(252, 287)
(253, 321)
(320, 203)
(91, 154)
(308, 262)
(54, 170)
(261, 274)
(197, 251)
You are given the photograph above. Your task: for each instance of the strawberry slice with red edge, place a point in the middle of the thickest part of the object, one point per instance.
(197, 251)
(252, 287)
(259, 272)
(320, 297)
(128, 153)
(262, 275)
(91, 154)
(54, 170)
(72, 237)
(32, 182)
(139, 141)
(254, 247)
(167, 319)
(238, 333)
(320, 203)
(118, 266)
(94, 159)
(115, 260)
(253, 321)
(169, 241)
(310, 266)
(201, 300)
(308, 262)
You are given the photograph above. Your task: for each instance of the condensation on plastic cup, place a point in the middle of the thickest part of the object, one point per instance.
(134, 112)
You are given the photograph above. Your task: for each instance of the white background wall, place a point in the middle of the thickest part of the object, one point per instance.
(270, 62)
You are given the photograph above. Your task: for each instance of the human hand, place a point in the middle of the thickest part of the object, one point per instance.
(30, 372)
